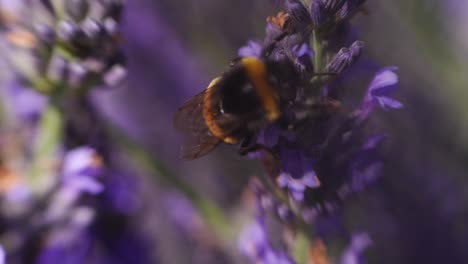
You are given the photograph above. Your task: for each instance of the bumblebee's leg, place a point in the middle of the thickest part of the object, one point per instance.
(249, 145)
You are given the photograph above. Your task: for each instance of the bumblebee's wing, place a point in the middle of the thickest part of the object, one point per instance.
(199, 148)
(184, 117)
(189, 120)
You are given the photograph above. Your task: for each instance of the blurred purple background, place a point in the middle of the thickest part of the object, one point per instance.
(418, 210)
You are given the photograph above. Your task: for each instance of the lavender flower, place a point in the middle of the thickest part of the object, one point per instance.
(317, 155)
(83, 161)
(252, 49)
(26, 103)
(303, 55)
(61, 211)
(297, 173)
(80, 169)
(322, 158)
(2, 255)
(323, 154)
(70, 242)
(345, 57)
(85, 30)
(60, 50)
(327, 13)
(380, 88)
(254, 240)
(253, 243)
(353, 253)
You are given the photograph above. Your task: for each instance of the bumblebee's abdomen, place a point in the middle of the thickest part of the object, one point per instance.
(257, 72)
(211, 114)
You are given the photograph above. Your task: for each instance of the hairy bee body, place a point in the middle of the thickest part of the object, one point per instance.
(234, 106)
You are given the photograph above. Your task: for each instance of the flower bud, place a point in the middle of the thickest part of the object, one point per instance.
(45, 34)
(58, 68)
(77, 9)
(345, 57)
(77, 74)
(115, 75)
(93, 30)
(68, 31)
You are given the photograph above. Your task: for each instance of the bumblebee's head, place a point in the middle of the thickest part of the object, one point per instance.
(285, 77)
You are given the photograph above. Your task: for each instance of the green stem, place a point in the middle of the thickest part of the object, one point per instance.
(318, 56)
(307, 3)
(301, 248)
(210, 211)
(46, 148)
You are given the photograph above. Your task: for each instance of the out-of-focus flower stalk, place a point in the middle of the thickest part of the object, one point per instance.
(69, 51)
(208, 209)
(47, 148)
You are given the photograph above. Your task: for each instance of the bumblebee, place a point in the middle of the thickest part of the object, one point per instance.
(236, 106)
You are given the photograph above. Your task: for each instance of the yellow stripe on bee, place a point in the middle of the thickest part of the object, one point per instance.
(209, 115)
(257, 72)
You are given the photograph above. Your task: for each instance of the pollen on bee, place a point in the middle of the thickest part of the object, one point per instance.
(230, 140)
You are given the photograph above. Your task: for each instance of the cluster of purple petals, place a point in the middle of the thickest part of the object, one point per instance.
(73, 46)
(56, 44)
(254, 239)
(328, 151)
(77, 204)
(354, 251)
(325, 154)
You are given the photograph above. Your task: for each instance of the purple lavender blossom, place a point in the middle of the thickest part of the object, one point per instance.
(381, 87)
(79, 177)
(327, 156)
(251, 49)
(379, 91)
(2, 255)
(345, 57)
(69, 243)
(253, 240)
(81, 162)
(297, 173)
(323, 152)
(60, 50)
(353, 254)
(254, 243)
(316, 155)
(25, 102)
(326, 13)
(303, 55)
